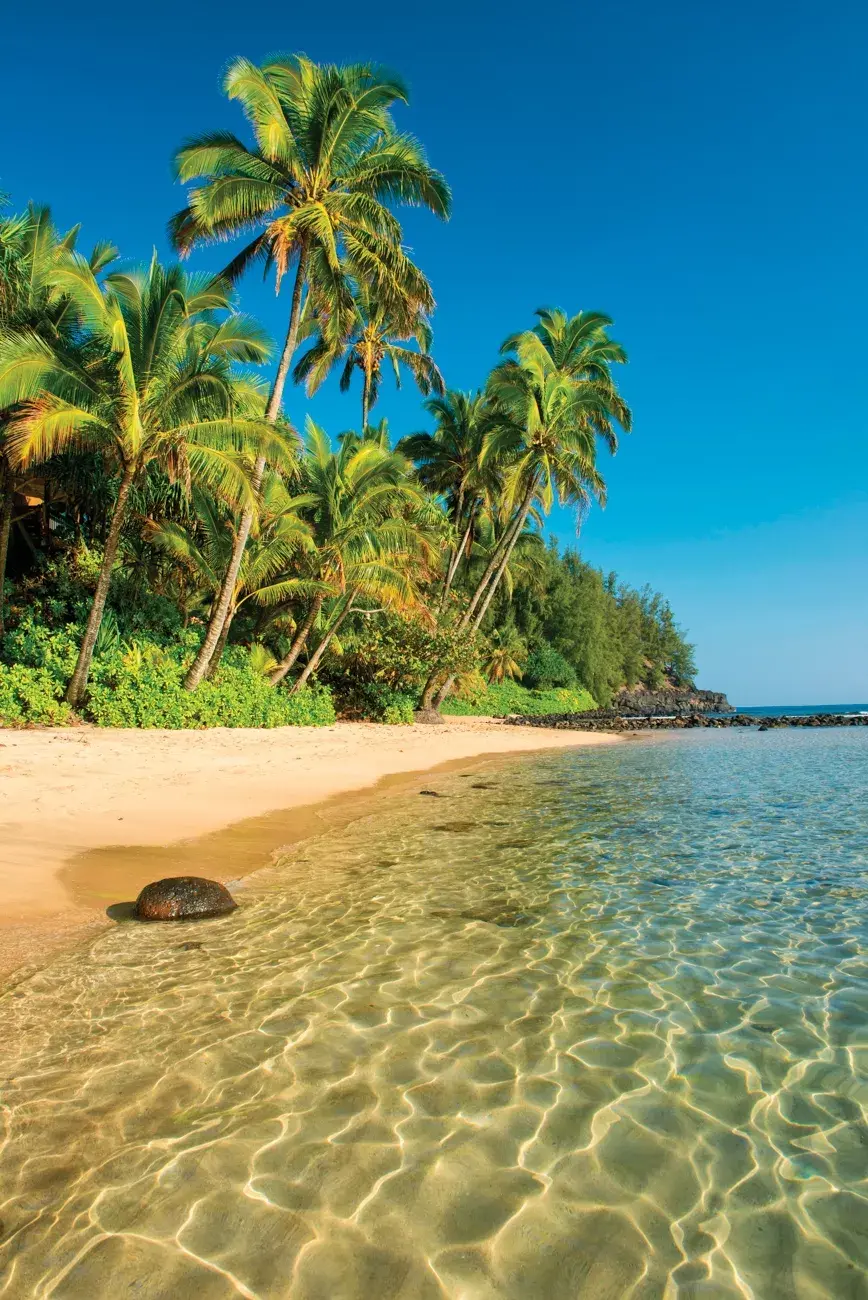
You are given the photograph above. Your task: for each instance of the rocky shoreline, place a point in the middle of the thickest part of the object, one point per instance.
(611, 720)
(668, 700)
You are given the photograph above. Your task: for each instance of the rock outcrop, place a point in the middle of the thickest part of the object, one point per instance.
(668, 701)
(180, 898)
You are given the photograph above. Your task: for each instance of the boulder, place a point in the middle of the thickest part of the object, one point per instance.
(180, 898)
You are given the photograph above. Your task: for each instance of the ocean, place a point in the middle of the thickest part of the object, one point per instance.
(589, 1024)
(801, 710)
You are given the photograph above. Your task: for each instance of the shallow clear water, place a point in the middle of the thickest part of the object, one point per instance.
(592, 1025)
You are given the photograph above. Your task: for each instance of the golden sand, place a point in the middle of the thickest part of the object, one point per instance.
(88, 816)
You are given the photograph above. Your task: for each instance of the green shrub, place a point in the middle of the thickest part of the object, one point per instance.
(547, 667)
(374, 702)
(30, 695)
(397, 651)
(499, 700)
(34, 645)
(143, 687)
(400, 712)
(140, 684)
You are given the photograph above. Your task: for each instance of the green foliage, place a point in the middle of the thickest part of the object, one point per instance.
(54, 595)
(610, 634)
(139, 684)
(500, 699)
(30, 696)
(133, 417)
(32, 644)
(386, 662)
(375, 702)
(144, 688)
(546, 667)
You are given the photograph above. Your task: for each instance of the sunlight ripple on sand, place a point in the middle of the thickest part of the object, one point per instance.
(609, 1039)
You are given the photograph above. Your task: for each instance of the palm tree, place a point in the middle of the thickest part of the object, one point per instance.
(315, 186)
(526, 563)
(550, 410)
(580, 346)
(377, 335)
(30, 301)
(449, 465)
(370, 539)
(152, 381)
(505, 657)
(202, 549)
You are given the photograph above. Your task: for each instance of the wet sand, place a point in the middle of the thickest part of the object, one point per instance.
(88, 816)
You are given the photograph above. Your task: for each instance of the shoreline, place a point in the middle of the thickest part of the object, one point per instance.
(88, 816)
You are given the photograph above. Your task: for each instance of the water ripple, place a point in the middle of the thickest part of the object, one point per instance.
(601, 1032)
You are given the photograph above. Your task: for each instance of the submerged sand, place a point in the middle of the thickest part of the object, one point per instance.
(87, 815)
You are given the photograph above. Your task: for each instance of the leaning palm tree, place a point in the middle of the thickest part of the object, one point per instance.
(201, 547)
(315, 186)
(152, 381)
(558, 378)
(372, 538)
(30, 301)
(549, 418)
(449, 464)
(526, 564)
(377, 335)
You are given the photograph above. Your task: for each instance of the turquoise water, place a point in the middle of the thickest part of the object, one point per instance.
(593, 1024)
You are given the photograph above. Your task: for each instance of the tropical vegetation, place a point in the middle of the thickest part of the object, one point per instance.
(182, 545)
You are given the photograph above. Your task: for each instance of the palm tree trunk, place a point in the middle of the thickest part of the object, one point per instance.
(432, 696)
(512, 535)
(366, 399)
(490, 570)
(455, 560)
(7, 497)
(450, 567)
(78, 681)
(221, 644)
(426, 704)
(298, 644)
(221, 606)
(495, 582)
(220, 609)
(272, 410)
(318, 653)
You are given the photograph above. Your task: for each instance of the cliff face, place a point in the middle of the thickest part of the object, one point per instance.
(670, 700)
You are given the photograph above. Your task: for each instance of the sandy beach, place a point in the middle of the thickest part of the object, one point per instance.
(88, 816)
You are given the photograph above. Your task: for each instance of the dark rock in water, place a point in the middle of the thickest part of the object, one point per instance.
(428, 717)
(433, 793)
(611, 720)
(189, 947)
(181, 898)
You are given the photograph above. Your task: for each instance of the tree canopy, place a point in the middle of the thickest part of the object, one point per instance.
(162, 519)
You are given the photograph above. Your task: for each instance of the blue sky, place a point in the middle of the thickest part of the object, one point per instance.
(697, 171)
